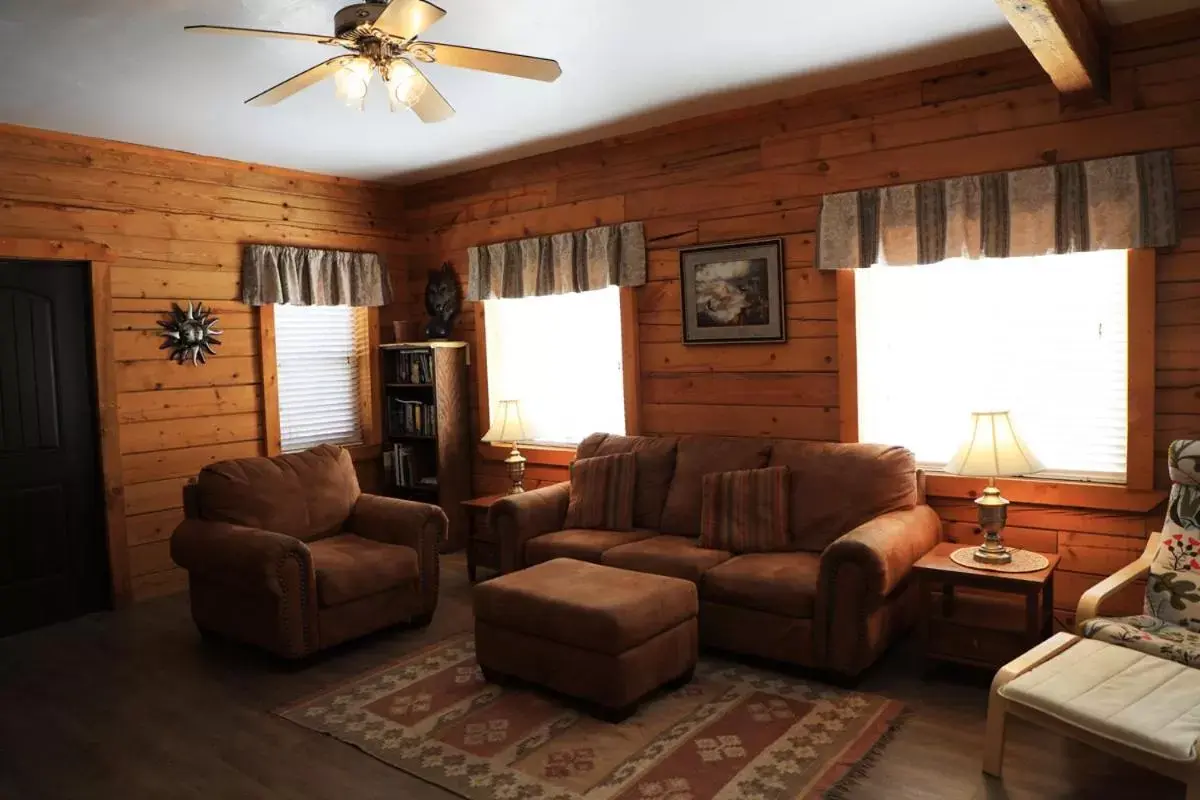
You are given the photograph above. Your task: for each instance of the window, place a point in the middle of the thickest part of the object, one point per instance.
(1045, 338)
(323, 375)
(560, 356)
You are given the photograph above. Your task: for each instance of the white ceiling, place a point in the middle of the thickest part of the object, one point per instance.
(125, 70)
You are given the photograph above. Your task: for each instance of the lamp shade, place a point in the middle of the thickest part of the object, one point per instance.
(993, 449)
(506, 424)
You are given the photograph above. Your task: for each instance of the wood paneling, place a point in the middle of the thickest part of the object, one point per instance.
(761, 171)
(174, 226)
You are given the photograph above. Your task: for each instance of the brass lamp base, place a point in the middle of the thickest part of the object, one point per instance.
(993, 514)
(515, 465)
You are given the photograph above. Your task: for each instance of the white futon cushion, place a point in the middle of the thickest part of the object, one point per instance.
(1133, 698)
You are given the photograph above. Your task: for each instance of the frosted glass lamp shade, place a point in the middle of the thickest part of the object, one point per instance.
(507, 427)
(351, 82)
(993, 449)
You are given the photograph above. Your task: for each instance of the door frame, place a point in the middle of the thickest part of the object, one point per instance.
(99, 258)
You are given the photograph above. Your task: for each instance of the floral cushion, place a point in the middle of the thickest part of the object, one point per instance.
(1148, 635)
(1173, 588)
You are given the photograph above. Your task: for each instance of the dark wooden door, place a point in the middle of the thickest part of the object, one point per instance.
(52, 544)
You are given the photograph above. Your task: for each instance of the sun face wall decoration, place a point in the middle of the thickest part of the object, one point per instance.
(190, 334)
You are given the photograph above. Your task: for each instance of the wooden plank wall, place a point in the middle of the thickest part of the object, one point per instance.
(176, 225)
(761, 172)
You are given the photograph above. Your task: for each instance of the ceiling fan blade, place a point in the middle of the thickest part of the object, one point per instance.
(282, 91)
(303, 37)
(432, 107)
(519, 66)
(408, 19)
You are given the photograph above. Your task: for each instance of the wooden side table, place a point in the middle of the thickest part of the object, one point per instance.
(999, 617)
(483, 548)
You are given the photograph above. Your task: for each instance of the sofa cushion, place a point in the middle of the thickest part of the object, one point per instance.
(307, 495)
(580, 543)
(655, 467)
(696, 457)
(781, 583)
(745, 511)
(837, 487)
(602, 492)
(585, 605)
(348, 567)
(676, 556)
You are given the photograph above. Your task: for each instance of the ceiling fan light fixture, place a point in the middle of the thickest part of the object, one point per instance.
(404, 84)
(352, 81)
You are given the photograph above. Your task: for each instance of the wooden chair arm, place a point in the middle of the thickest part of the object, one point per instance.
(1089, 602)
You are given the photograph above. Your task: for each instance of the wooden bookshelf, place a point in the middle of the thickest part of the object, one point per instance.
(426, 412)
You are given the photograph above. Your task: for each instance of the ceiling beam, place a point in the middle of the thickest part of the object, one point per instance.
(1069, 38)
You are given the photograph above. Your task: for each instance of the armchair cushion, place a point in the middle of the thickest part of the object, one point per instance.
(581, 544)
(1148, 635)
(306, 495)
(602, 492)
(778, 583)
(349, 567)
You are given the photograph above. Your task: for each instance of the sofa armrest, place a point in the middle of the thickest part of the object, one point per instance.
(420, 526)
(884, 548)
(233, 554)
(1089, 601)
(855, 619)
(519, 517)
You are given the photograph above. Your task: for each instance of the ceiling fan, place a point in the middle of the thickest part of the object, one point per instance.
(382, 36)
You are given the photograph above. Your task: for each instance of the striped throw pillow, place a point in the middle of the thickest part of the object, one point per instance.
(745, 511)
(602, 492)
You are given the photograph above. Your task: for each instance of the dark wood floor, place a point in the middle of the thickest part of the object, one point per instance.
(133, 705)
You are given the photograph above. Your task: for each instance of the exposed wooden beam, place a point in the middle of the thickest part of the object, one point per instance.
(1069, 38)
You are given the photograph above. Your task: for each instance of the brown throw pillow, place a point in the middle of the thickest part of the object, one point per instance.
(745, 511)
(602, 492)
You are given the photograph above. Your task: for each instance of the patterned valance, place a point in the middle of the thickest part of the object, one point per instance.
(1107, 204)
(612, 255)
(302, 276)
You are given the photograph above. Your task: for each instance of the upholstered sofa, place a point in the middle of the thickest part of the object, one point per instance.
(833, 601)
(288, 554)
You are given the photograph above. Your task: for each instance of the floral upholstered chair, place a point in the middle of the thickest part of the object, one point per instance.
(1169, 625)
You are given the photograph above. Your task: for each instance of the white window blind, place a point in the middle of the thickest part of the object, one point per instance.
(560, 356)
(1045, 338)
(317, 352)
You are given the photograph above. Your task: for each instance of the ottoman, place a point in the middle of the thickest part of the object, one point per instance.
(602, 635)
(1137, 706)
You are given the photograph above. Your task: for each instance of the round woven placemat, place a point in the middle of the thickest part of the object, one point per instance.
(1022, 561)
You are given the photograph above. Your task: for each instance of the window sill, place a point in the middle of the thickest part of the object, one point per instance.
(1076, 494)
(542, 455)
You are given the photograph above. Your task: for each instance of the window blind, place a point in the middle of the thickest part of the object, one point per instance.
(317, 351)
(560, 355)
(1045, 338)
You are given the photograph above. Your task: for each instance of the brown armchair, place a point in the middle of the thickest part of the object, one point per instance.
(288, 554)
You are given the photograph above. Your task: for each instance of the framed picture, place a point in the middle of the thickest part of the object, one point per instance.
(733, 292)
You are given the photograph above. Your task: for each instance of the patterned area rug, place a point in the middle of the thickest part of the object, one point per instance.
(733, 732)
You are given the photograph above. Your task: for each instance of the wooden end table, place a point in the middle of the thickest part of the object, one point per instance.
(997, 618)
(483, 548)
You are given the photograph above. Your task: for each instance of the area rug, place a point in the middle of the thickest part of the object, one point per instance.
(733, 732)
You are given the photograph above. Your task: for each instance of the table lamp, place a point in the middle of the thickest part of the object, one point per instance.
(506, 429)
(993, 450)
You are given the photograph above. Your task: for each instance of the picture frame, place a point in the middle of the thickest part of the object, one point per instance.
(733, 293)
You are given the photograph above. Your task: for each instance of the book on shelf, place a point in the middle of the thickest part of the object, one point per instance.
(412, 418)
(402, 466)
(414, 367)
